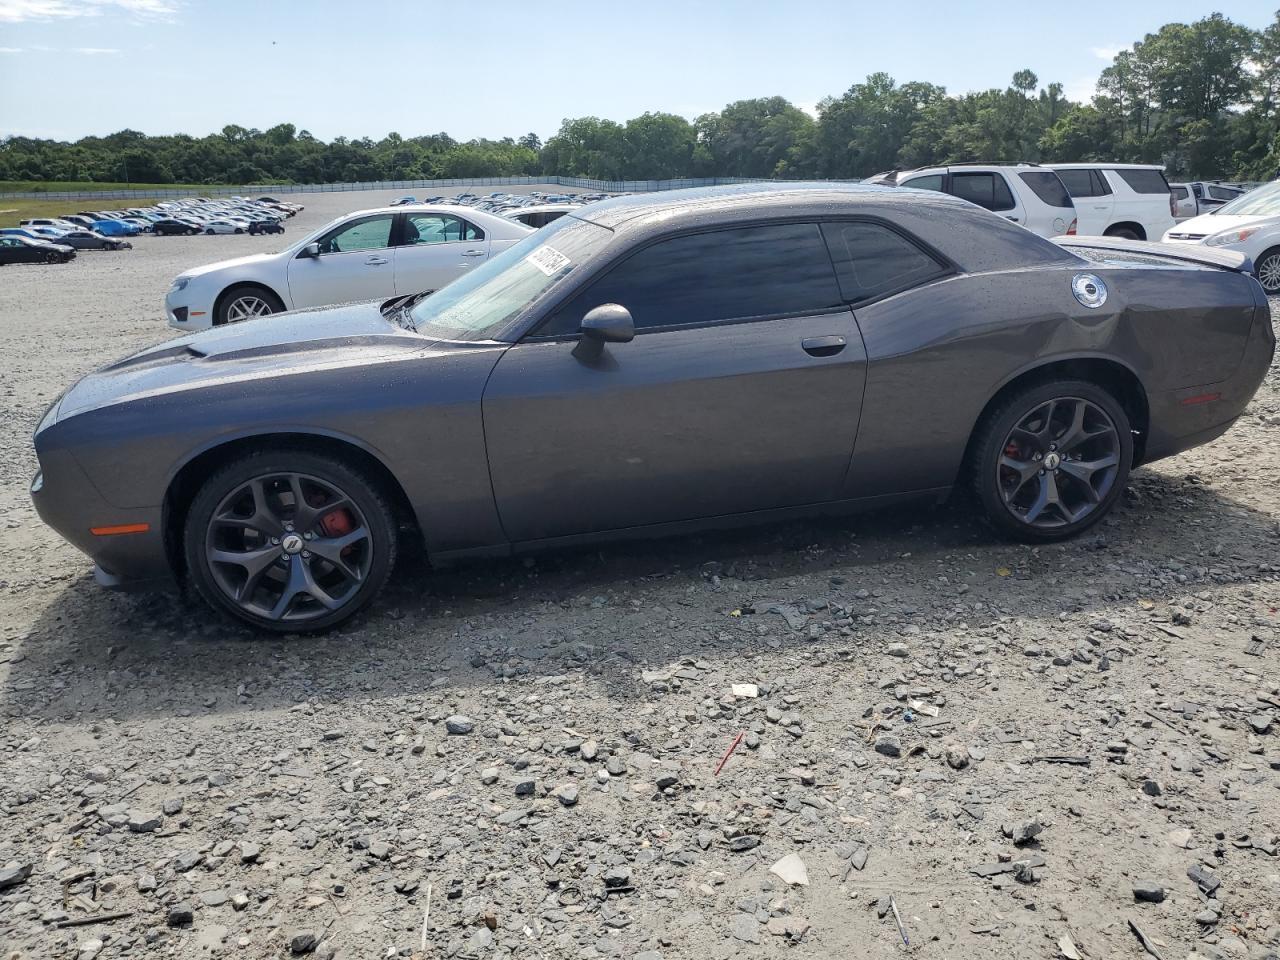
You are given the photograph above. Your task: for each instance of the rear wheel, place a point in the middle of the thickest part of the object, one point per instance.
(246, 302)
(1267, 270)
(1124, 233)
(289, 541)
(1052, 460)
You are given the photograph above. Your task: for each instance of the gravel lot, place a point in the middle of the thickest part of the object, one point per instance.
(1083, 723)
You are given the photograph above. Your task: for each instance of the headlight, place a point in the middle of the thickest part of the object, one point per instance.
(1231, 236)
(179, 284)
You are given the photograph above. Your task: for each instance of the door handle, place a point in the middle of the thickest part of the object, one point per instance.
(1014, 219)
(376, 261)
(823, 346)
(473, 253)
(1099, 206)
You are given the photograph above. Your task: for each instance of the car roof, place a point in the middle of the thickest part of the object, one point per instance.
(546, 208)
(1105, 166)
(975, 239)
(805, 198)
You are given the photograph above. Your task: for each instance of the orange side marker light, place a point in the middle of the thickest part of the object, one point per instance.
(120, 528)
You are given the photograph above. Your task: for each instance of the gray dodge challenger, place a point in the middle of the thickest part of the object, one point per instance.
(649, 365)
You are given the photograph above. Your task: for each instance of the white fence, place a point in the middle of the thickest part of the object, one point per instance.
(272, 189)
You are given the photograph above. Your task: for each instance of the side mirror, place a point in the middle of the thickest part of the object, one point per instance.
(609, 323)
(309, 251)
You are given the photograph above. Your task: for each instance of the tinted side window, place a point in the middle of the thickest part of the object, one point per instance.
(1079, 183)
(931, 182)
(872, 260)
(1218, 193)
(985, 189)
(1144, 181)
(705, 277)
(1179, 193)
(1046, 185)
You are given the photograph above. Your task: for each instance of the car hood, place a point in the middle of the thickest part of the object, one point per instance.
(1211, 223)
(220, 264)
(270, 346)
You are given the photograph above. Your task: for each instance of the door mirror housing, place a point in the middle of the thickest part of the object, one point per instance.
(309, 251)
(609, 323)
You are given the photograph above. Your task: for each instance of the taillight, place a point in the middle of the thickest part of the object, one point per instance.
(1071, 230)
(1173, 206)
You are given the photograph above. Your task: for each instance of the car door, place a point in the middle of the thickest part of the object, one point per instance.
(434, 249)
(355, 263)
(740, 392)
(1093, 198)
(987, 189)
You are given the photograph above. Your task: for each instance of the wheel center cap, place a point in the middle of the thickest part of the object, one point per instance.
(1051, 461)
(291, 543)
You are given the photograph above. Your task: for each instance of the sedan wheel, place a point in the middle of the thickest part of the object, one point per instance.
(54, 258)
(247, 307)
(289, 542)
(1268, 270)
(1053, 460)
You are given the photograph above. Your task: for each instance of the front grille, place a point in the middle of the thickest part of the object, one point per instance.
(1187, 236)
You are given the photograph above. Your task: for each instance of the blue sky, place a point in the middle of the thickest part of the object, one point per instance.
(494, 67)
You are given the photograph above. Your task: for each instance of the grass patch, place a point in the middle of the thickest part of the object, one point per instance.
(85, 186)
(11, 211)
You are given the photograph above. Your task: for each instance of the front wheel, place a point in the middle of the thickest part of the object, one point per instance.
(239, 230)
(210, 232)
(246, 302)
(1267, 270)
(54, 257)
(1052, 460)
(289, 541)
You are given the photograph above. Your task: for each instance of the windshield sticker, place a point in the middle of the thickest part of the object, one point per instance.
(549, 260)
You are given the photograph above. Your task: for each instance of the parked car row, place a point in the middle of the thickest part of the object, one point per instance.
(1192, 199)
(190, 216)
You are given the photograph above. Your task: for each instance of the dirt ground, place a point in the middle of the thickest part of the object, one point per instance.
(1084, 724)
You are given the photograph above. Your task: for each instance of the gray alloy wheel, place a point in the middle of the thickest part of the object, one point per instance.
(1058, 463)
(246, 307)
(289, 542)
(1051, 460)
(54, 257)
(1267, 270)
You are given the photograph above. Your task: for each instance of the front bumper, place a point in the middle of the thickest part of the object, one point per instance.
(186, 313)
(67, 501)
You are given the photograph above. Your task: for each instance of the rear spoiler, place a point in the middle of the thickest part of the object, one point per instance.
(1184, 252)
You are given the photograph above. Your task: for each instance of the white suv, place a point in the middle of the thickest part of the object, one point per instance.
(1130, 200)
(1025, 193)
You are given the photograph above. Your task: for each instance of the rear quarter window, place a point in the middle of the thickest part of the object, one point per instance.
(1144, 181)
(985, 189)
(871, 260)
(1048, 187)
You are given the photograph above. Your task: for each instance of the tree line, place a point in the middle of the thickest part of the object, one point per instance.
(1202, 98)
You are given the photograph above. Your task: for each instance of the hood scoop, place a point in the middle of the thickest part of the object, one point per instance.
(158, 357)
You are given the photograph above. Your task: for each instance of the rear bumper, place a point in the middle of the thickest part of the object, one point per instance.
(1191, 416)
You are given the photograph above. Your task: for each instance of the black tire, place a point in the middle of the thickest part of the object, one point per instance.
(192, 232)
(223, 311)
(1268, 266)
(991, 449)
(212, 580)
(238, 230)
(1124, 233)
(54, 257)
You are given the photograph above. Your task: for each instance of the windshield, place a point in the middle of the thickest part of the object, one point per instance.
(1265, 201)
(478, 305)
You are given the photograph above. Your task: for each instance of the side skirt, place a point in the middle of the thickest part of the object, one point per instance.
(657, 531)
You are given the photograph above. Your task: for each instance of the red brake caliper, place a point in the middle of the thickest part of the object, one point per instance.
(337, 523)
